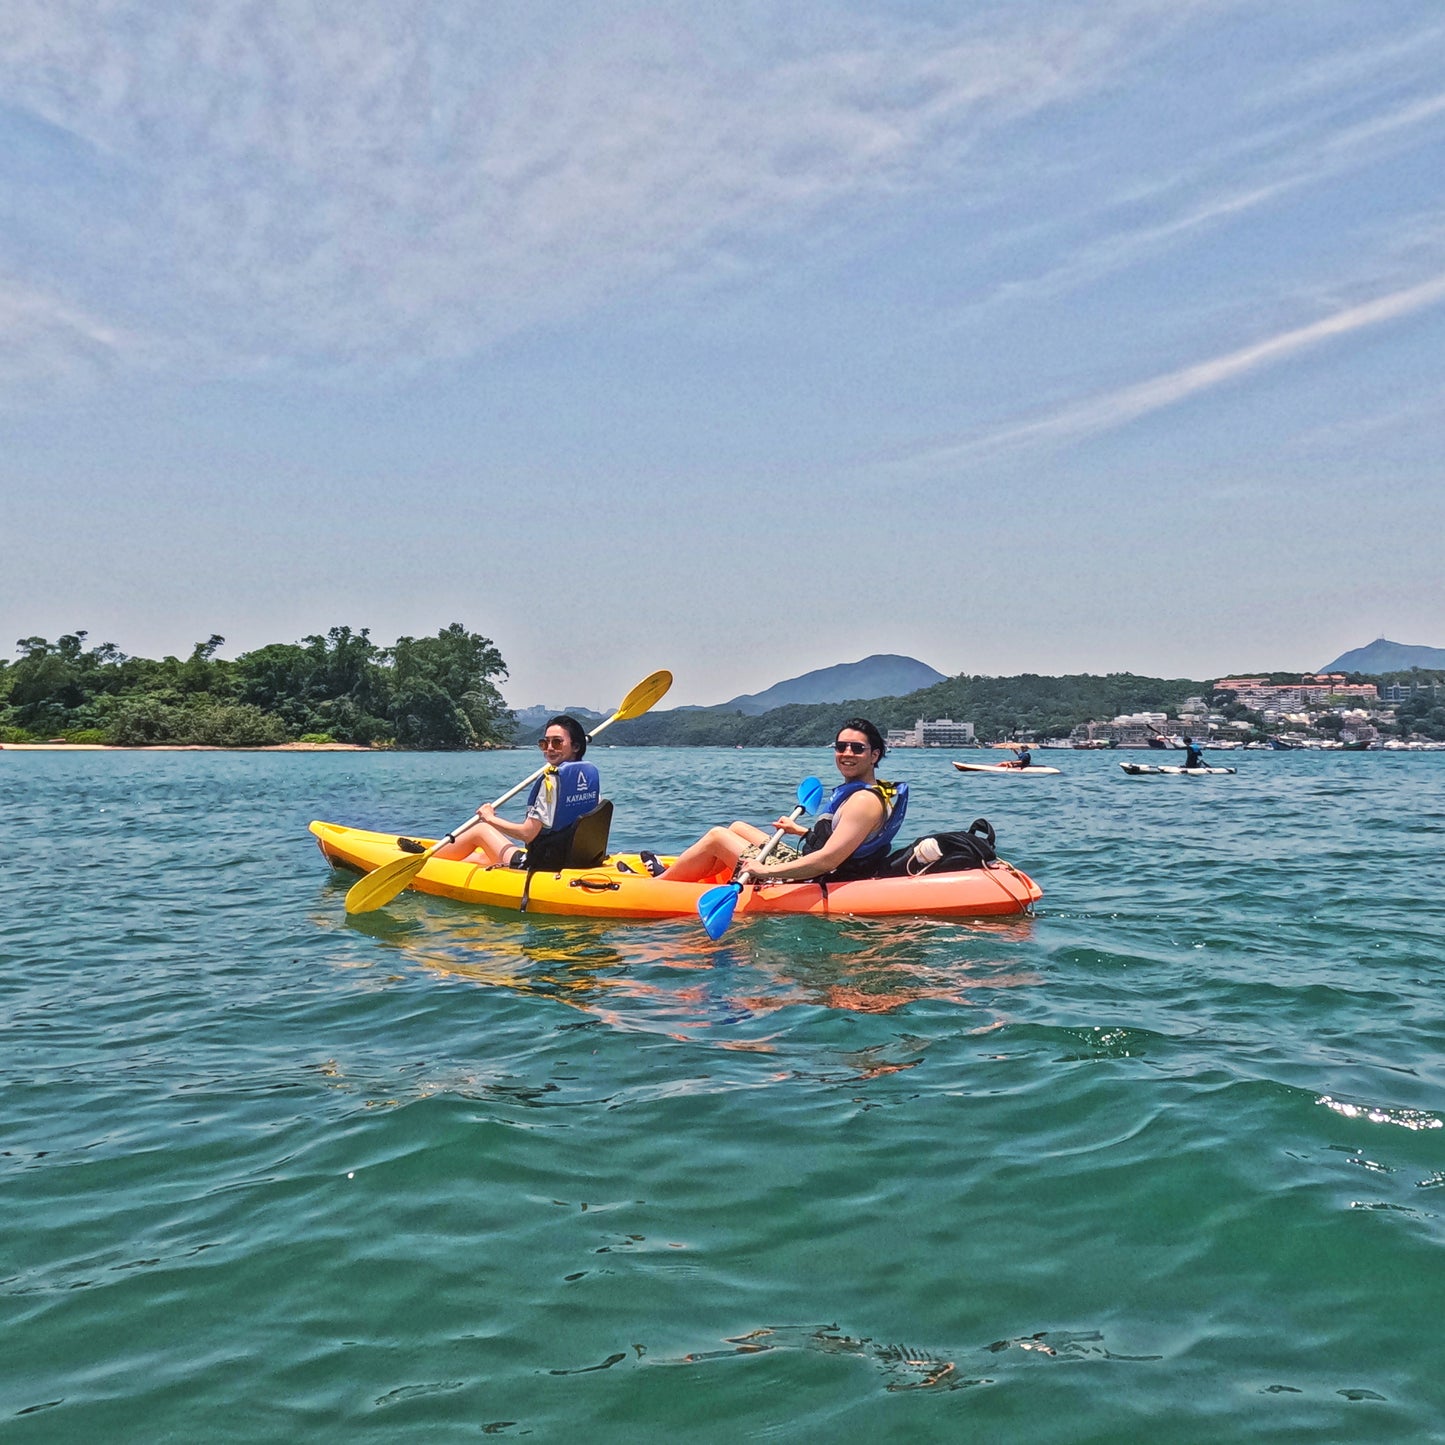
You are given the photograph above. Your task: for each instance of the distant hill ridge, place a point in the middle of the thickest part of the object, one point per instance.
(1385, 656)
(535, 717)
(884, 674)
(890, 675)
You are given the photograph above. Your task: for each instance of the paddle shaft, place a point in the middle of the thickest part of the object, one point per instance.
(512, 792)
(778, 836)
(382, 885)
(715, 907)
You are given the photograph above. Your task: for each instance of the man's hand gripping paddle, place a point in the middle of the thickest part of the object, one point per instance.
(716, 906)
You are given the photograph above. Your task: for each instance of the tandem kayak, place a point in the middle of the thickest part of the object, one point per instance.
(1143, 770)
(620, 887)
(1004, 770)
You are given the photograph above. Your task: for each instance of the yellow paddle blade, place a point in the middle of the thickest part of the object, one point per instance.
(382, 884)
(643, 696)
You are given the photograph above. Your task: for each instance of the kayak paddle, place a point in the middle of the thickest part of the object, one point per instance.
(716, 906)
(380, 886)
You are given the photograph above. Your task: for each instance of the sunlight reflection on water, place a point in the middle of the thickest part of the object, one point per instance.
(670, 976)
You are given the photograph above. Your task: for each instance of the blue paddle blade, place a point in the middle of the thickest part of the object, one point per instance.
(716, 906)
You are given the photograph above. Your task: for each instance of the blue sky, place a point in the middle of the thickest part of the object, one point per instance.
(737, 340)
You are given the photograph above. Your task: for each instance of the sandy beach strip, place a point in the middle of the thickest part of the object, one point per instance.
(182, 748)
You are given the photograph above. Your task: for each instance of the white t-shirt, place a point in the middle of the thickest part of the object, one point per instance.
(545, 808)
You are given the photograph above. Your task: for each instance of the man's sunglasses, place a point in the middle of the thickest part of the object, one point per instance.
(850, 747)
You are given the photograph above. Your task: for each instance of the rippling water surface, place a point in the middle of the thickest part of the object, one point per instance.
(1164, 1162)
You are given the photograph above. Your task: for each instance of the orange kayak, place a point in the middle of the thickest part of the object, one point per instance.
(620, 887)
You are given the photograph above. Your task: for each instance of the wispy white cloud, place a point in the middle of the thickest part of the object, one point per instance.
(41, 333)
(374, 182)
(1115, 409)
(1275, 166)
(1379, 66)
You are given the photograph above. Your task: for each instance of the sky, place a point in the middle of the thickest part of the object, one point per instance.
(739, 340)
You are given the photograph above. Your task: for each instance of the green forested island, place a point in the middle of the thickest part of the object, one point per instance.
(442, 692)
(422, 692)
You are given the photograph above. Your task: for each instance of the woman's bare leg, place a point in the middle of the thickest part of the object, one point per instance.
(495, 846)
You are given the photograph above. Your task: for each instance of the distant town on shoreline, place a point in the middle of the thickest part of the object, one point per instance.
(441, 692)
(1116, 711)
(1322, 711)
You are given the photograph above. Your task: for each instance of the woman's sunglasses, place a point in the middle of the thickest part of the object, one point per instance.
(551, 742)
(851, 747)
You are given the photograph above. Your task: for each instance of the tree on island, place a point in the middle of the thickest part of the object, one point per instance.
(443, 695)
(427, 692)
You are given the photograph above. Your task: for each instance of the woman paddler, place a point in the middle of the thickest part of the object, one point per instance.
(849, 840)
(567, 789)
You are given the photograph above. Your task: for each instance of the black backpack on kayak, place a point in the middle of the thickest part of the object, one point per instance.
(944, 852)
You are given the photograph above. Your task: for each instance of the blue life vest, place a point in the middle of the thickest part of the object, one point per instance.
(895, 804)
(578, 791)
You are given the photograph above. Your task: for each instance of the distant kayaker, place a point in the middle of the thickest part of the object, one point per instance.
(850, 838)
(1022, 756)
(1193, 756)
(567, 790)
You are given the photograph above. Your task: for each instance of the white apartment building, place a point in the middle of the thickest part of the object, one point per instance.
(940, 733)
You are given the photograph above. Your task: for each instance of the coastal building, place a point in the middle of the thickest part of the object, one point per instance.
(1151, 729)
(1094, 735)
(1317, 691)
(945, 733)
(1316, 687)
(1404, 691)
(1272, 701)
(940, 733)
(1139, 729)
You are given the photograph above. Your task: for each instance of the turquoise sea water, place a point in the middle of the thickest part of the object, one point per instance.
(1164, 1162)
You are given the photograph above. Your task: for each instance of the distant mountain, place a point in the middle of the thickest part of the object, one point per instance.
(885, 674)
(1384, 656)
(529, 718)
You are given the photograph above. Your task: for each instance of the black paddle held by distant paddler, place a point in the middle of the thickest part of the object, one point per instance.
(379, 887)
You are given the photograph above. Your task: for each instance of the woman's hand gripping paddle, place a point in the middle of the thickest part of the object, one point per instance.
(716, 906)
(379, 887)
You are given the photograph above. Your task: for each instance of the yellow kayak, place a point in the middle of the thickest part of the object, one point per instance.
(620, 887)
